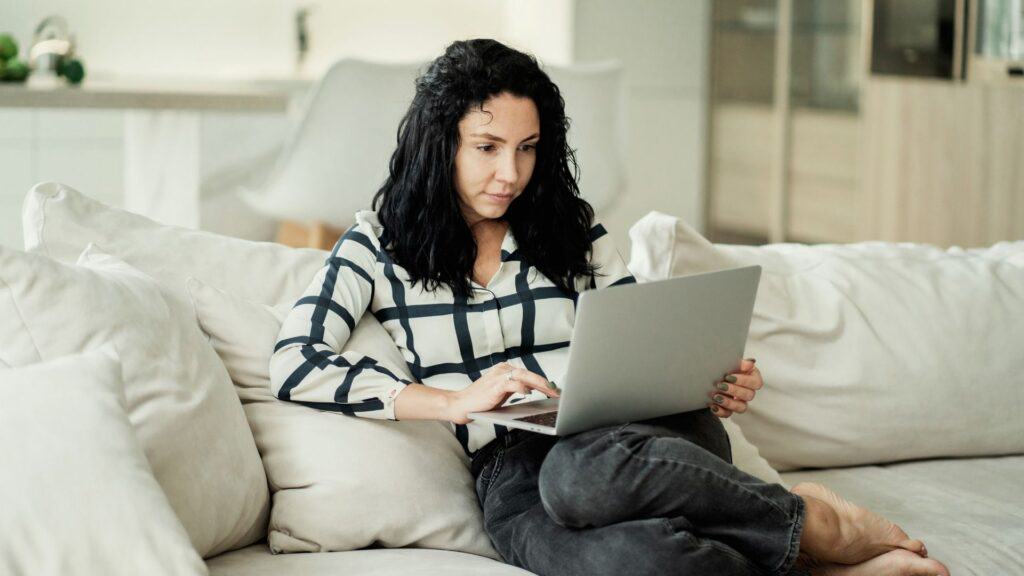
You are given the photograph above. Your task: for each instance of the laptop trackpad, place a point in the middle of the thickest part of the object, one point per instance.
(516, 411)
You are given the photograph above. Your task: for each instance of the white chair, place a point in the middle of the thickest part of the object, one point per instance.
(337, 156)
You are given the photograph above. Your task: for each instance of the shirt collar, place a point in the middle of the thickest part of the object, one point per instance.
(508, 245)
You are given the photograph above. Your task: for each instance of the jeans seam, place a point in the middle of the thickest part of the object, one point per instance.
(701, 468)
(720, 548)
(499, 455)
(795, 533)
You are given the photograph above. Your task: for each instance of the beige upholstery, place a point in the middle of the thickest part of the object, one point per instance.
(257, 560)
(970, 511)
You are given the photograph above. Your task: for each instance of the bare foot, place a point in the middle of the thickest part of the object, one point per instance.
(895, 563)
(844, 533)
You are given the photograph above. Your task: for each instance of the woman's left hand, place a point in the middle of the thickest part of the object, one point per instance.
(732, 397)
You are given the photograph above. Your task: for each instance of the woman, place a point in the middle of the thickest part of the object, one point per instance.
(473, 259)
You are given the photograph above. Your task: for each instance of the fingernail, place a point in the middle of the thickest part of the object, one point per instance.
(730, 379)
(751, 360)
(715, 409)
(718, 398)
(552, 385)
(722, 386)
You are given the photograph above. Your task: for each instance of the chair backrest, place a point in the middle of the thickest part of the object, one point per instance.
(337, 157)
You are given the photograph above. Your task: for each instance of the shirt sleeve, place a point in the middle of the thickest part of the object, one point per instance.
(307, 365)
(611, 269)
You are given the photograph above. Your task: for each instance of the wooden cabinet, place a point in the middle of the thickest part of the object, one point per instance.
(740, 168)
(884, 158)
(825, 202)
(784, 161)
(944, 162)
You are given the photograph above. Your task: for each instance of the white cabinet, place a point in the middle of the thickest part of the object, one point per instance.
(88, 137)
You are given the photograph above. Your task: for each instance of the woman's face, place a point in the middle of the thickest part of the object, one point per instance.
(496, 156)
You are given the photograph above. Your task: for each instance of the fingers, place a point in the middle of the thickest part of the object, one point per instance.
(746, 365)
(515, 387)
(522, 381)
(720, 411)
(736, 391)
(751, 381)
(534, 381)
(729, 403)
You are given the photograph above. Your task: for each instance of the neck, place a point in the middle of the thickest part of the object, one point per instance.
(486, 228)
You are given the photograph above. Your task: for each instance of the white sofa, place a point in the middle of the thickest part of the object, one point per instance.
(940, 457)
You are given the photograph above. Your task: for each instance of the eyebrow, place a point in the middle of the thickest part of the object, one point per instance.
(490, 136)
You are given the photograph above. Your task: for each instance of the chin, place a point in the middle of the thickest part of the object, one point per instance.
(491, 212)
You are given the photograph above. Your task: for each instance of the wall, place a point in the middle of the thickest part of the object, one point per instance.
(83, 147)
(227, 39)
(660, 42)
(663, 46)
(253, 38)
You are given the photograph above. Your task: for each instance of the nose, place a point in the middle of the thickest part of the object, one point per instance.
(507, 170)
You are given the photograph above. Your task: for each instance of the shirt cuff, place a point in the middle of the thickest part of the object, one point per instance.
(388, 397)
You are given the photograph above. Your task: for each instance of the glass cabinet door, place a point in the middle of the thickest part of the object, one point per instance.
(825, 61)
(785, 169)
(741, 112)
(743, 50)
(1001, 29)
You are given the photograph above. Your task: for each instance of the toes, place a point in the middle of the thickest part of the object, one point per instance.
(908, 565)
(915, 546)
(928, 567)
(941, 569)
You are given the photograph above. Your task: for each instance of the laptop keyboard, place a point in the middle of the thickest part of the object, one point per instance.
(545, 419)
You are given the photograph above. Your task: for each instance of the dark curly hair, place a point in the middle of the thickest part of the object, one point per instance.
(419, 202)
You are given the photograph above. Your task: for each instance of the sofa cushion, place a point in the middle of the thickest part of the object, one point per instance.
(968, 511)
(179, 396)
(59, 221)
(77, 493)
(258, 560)
(871, 352)
(340, 482)
(747, 457)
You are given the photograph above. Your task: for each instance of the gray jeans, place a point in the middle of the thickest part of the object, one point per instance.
(658, 496)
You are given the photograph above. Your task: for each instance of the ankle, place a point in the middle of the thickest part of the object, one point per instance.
(821, 531)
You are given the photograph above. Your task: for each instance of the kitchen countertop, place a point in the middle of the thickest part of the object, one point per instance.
(263, 95)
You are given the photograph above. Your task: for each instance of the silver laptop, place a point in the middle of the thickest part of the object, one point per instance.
(640, 351)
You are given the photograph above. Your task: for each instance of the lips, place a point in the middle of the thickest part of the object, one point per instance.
(499, 197)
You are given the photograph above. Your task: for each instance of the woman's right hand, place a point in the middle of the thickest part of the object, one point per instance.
(492, 389)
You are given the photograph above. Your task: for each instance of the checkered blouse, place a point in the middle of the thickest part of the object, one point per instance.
(448, 342)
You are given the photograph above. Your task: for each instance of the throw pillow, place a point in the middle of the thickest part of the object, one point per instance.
(77, 494)
(179, 396)
(872, 352)
(339, 482)
(59, 221)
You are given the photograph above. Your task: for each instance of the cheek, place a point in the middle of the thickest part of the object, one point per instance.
(526, 172)
(473, 175)
(464, 175)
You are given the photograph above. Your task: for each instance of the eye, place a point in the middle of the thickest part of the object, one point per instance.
(485, 148)
(529, 147)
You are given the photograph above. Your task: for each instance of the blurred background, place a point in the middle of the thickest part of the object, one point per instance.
(755, 121)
